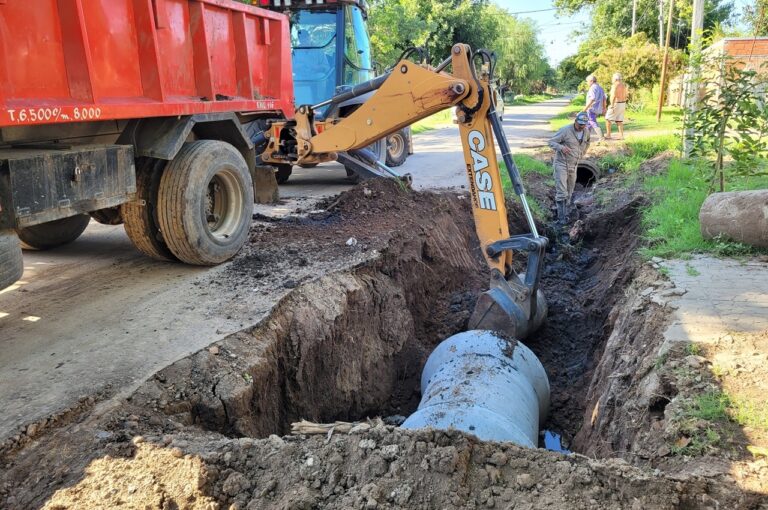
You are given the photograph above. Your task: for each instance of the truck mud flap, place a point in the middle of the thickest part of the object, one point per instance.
(42, 184)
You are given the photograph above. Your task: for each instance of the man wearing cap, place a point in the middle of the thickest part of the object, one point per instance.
(570, 144)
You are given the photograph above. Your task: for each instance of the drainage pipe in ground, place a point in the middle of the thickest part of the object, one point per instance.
(486, 385)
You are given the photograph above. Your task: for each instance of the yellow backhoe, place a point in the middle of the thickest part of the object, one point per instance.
(409, 92)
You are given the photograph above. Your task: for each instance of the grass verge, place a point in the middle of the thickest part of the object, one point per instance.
(672, 220)
(436, 121)
(643, 120)
(527, 165)
(528, 99)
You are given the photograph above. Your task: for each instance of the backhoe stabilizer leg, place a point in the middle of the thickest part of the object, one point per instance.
(514, 305)
(364, 163)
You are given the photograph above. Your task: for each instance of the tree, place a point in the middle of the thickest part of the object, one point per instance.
(756, 17)
(439, 24)
(731, 121)
(636, 58)
(569, 74)
(522, 66)
(614, 17)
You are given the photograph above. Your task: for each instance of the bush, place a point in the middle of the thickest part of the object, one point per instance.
(731, 121)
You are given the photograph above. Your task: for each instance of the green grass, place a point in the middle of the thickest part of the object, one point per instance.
(635, 121)
(526, 165)
(700, 441)
(640, 150)
(719, 406)
(692, 271)
(711, 406)
(692, 349)
(436, 121)
(566, 116)
(749, 413)
(528, 99)
(709, 416)
(672, 220)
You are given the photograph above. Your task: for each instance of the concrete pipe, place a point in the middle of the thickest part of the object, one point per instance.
(486, 385)
(587, 173)
(737, 215)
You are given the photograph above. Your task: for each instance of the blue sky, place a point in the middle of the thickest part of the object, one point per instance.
(556, 33)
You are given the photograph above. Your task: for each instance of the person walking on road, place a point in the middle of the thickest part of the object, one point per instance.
(615, 112)
(570, 144)
(595, 103)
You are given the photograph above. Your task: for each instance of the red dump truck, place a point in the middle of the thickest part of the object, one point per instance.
(135, 111)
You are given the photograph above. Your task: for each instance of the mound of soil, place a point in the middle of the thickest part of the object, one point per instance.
(349, 340)
(373, 282)
(382, 467)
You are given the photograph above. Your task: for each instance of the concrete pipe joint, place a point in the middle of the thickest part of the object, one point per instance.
(483, 384)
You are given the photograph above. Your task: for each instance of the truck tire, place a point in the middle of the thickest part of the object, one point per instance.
(52, 234)
(282, 173)
(205, 203)
(11, 263)
(140, 215)
(108, 216)
(397, 148)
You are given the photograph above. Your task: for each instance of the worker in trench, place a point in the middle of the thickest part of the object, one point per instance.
(570, 144)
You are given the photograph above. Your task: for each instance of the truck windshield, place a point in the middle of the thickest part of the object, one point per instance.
(313, 39)
(357, 55)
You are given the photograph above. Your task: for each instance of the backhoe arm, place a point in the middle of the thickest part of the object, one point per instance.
(412, 92)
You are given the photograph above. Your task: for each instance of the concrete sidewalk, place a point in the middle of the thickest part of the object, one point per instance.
(719, 297)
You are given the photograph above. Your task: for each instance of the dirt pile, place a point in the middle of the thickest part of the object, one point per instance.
(375, 280)
(151, 478)
(383, 467)
(349, 341)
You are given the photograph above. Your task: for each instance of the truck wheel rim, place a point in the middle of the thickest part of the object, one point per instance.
(223, 205)
(395, 145)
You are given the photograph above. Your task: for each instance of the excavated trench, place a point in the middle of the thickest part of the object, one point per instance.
(376, 281)
(351, 344)
(348, 344)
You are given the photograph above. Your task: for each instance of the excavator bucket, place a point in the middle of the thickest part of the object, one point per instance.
(514, 305)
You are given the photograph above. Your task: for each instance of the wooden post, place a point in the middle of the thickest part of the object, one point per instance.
(664, 64)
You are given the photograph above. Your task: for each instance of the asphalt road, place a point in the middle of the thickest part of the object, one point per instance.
(97, 316)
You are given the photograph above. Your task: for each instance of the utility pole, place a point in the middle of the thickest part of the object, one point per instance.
(634, 16)
(697, 24)
(692, 85)
(661, 23)
(664, 63)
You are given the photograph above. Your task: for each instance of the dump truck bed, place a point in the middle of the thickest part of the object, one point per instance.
(84, 60)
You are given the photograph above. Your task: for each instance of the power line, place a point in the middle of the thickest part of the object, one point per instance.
(531, 12)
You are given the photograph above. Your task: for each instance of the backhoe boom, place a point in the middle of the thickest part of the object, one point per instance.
(412, 92)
